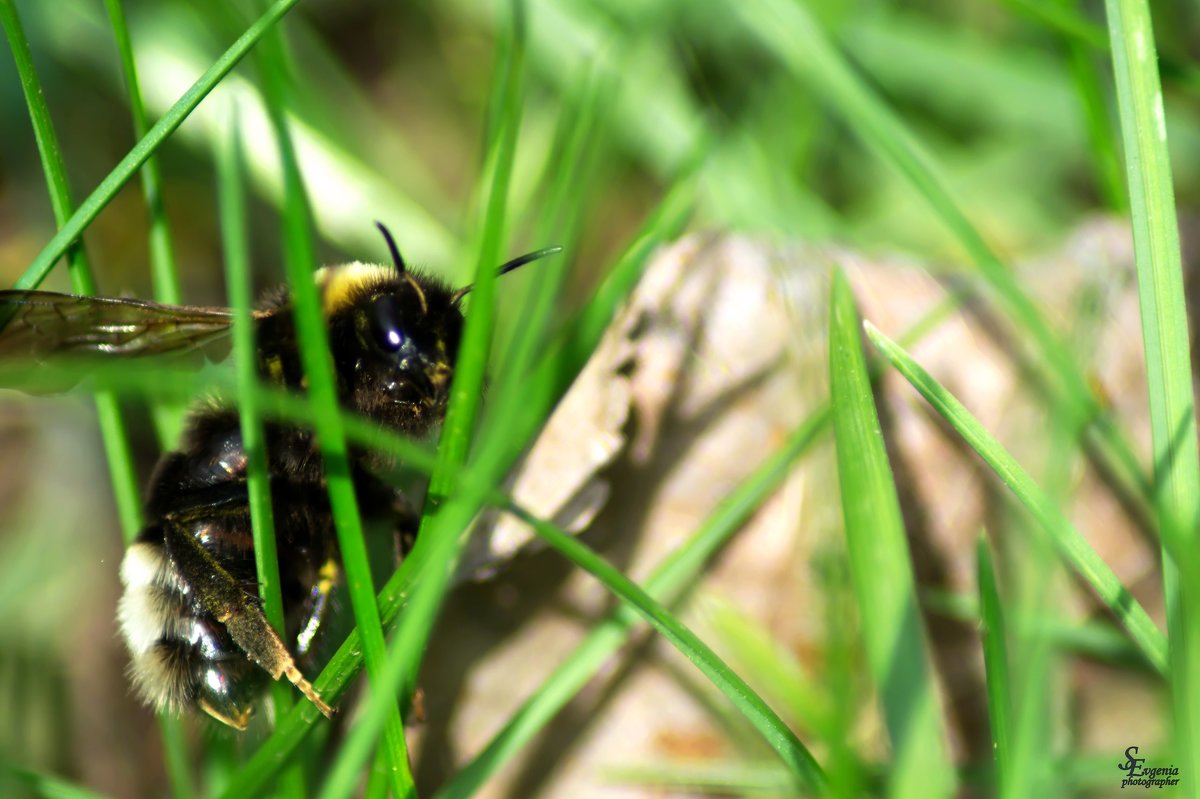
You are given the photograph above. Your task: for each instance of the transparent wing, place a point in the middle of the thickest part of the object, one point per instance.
(39, 325)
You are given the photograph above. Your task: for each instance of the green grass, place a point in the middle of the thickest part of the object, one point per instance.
(1168, 363)
(995, 660)
(880, 567)
(1072, 546)
(164, 267)
(258, 487)
(300, 264)
(479, 131)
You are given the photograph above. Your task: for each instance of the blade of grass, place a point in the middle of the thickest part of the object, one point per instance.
(412, 631)
(220, 762)
(1064, 19)
(666, 583)
(168, 420)
(175, 753)
(162, 253)
(446, 524)
(881, 569)
(777, 734)
(715, 779)
(1168, 363)
(377, 783)
(1035, 670)
(471, 362)
(45, 785)
(843, 676)
(232, 207)
(112, 425)
(1096, 639)
(995, 661)
(1070, 544)
(70, 231)
(446, 516)
(1106, 162)
(756, 653)
(300, 266)
(568, 172)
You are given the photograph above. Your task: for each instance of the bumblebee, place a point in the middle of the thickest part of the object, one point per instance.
(190, 613)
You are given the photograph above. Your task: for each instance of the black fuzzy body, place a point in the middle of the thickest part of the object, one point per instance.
(190, 577)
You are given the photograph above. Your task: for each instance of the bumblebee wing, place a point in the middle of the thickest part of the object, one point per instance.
(40, 324)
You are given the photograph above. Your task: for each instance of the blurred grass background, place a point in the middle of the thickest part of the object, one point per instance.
(392, 111)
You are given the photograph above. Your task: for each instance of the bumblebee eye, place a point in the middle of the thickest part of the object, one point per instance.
(385, 325)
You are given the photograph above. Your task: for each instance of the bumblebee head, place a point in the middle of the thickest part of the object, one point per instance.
(395, 334)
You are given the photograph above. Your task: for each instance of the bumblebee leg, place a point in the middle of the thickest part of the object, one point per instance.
(239, 721)
(318, 606)
(222, 597)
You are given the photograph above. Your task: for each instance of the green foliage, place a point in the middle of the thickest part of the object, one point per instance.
(966, 133)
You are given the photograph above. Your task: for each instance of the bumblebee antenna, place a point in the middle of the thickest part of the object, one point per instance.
(515, 263)
(397, 260)
(401, 269)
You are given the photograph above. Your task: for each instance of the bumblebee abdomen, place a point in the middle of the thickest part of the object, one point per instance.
(180, 655)
(152, 611)
(190, 612)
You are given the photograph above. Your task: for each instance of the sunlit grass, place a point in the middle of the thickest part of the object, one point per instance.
(616, 132)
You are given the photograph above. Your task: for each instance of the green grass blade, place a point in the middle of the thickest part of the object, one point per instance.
(1168, 362)
(168, 420)
(777, 734)
(73, 228)
(1071, 545)
(1106, 162)
(1066, 20)
(300, 266)
(797, 40)
(568, 173)
(396, 678)
(1034, 670)
(44, 785)
(446, 515)
(258, 485)
(892, 628)
(239, 284)
(1071, 21)
(1095, 639)
(377, 782)
(162, 253)
(471, 364)
(995, 661)
(175, 751)
(666, 584)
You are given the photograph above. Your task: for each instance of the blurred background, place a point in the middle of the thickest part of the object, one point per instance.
(391, 112)
(1013, 99)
